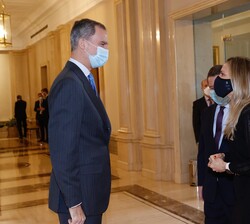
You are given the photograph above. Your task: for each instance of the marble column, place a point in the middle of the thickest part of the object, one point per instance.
(141, 139)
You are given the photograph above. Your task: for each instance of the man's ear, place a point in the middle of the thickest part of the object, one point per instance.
(82, 44)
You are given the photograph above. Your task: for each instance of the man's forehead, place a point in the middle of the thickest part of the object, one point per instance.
(100, 34)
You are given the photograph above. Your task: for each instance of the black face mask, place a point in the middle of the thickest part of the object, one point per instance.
(222, 87)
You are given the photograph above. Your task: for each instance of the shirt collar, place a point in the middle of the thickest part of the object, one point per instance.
(81, 66)
(226, 106)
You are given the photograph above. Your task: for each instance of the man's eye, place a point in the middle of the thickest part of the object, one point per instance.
(104, 44)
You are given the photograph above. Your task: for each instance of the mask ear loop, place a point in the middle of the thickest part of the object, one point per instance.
(91, 43)
(85, 49)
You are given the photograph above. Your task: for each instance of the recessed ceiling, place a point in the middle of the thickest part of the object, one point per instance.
(23, 12)
(31, 20)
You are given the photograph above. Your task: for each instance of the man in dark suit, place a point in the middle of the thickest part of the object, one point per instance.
(216, 189)
(41, 116)
(202, 103)
(20, 115)
(45, 92)
(198, 107)
(79, 131)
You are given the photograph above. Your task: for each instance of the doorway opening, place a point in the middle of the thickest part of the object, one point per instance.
(44, 76)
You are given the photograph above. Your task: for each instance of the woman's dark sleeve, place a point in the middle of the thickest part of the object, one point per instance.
(243, 167)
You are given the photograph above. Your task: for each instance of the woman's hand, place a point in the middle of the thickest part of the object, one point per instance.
(217, 164)
(217, 155)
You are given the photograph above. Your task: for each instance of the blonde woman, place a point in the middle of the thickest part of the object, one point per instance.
(236, 72)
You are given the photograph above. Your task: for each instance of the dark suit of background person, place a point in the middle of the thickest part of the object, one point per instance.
(36, 107)
(41, 116)
(20, 115)
(198, 107)
(79, 133)
(217, 188)
(201, 104)
(45, 92)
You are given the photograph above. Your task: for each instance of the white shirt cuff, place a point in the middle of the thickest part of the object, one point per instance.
(76, 205)
(227, 166)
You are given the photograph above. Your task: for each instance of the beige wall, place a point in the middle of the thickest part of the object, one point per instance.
(6, 111)
(147, 84)
(14, 80)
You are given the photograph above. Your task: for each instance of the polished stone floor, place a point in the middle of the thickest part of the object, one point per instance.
(24, 179)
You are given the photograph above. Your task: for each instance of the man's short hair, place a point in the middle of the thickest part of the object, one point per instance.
(215, 70)
(84, 28)
(19, 97)
(45, 90)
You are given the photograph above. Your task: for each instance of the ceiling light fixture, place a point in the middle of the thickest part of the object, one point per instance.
(5, 28)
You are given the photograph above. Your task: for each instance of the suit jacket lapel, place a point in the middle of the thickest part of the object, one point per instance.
(96, 100)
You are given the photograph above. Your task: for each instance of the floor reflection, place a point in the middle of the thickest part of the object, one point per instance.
(24, 180)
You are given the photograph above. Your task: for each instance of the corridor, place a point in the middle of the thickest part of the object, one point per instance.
(25, 171)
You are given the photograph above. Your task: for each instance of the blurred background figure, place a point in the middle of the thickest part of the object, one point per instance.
(20, 115)
(198, 106)
(40, 116)
(45, 93)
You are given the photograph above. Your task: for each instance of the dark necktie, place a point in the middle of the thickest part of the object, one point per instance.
(92, 82)
(210, 102)
(219, 127)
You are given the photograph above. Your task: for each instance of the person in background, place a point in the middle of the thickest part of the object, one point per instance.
(45, 93)
(202, 103)
(79, 131)
(40, 116)
(198, 106)
(20, 115)
(215, 189)
(234, 83)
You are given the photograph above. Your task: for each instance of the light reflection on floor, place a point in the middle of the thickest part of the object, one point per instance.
(24, 179)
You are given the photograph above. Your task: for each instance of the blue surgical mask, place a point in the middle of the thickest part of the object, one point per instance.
(222, 101)
(100, 58)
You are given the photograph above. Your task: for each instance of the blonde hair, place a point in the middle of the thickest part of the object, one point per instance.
(240, 78)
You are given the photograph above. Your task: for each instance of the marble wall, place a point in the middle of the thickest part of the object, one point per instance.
(147, 84)
(5, 87)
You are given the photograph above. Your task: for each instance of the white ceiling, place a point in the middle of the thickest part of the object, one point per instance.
(23, 12)
(30, 16)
